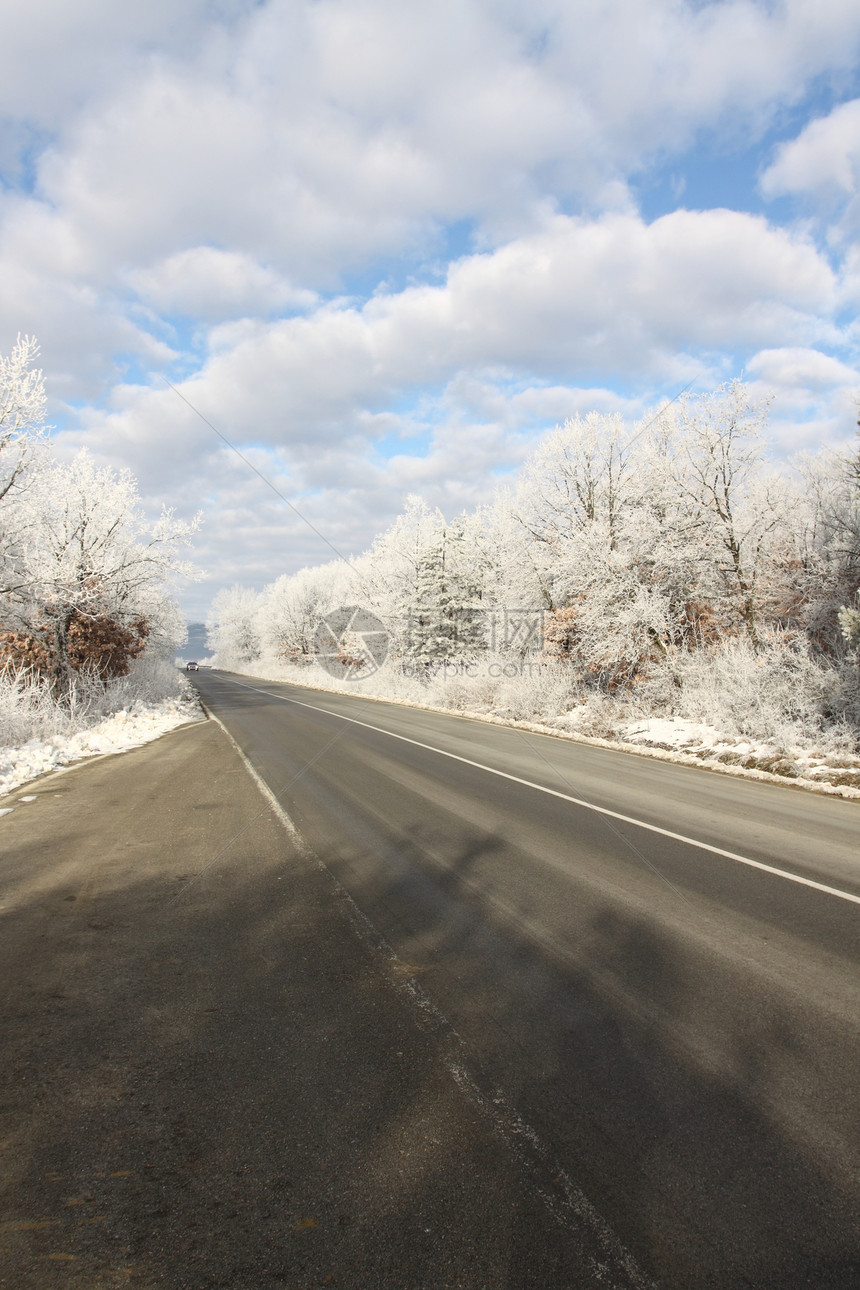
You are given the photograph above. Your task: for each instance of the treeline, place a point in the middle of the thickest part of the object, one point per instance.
(83, 576)
(633, 546)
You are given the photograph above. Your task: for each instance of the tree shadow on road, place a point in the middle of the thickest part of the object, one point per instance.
(691, 1098)
(209, 1079)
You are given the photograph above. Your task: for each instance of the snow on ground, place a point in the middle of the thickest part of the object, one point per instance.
(693, 739)
(128, 728)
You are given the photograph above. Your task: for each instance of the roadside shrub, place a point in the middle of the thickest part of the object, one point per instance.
(779, 693)
(96, 646)
(29, 710)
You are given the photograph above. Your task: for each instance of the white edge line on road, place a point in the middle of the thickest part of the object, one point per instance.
(566, 797)
(295, 837)
(572, 1208)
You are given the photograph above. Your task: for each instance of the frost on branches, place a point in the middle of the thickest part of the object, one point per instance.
(22, 414)
(83, 575)
(661, 569)
(85, 591)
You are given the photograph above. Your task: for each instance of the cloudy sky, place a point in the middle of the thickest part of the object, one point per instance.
(383, 246)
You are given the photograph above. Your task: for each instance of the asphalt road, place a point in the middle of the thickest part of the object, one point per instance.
(430, 1004)
(208, 1079)
(644, 976)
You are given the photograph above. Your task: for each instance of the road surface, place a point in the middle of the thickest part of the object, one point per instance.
(652, 970)
(379, 998)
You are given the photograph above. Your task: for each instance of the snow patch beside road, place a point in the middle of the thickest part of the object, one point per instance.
(706, 743)
(129, 728)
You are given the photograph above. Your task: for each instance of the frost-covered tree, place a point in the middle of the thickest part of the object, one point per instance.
(573, 489)
(843, 515)
(737, 509)
(90, 573)
(22, 438)
(232, 626)
(517, 579)
(392, 570)
(22, 414)
(655, 556)
(446, 619)
(657, 538)
(84, 578)
(289, 610)
(597, 504)
(580, 475)
(817, 568)
(849, 621)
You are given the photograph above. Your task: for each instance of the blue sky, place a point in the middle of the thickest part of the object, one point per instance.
(385, 247)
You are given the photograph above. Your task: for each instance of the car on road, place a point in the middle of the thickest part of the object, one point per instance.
(192, 667)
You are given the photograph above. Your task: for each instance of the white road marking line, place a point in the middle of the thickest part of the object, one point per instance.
(576, 801)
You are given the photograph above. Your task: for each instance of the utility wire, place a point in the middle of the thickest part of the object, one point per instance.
(295, 508)
(658, 414)
(264, 478)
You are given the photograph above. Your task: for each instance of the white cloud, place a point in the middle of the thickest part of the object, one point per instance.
(806, 369)
(54, 55)
(318, 135)
(850, 278)
(205, 178)
(614, 296)
(478, 360)
(824, 159)
(813, 404)
(80, 331)
(210, 284)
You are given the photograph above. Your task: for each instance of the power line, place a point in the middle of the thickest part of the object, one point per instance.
(260, 475)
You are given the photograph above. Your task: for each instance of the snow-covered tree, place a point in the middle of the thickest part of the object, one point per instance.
(651, 555)
(232, 626)
(22, 438)
(818, 569)
(289, 610)
(392, 569)
(89, 573)
(579, 475)
(446, 619)
(22, 413)
(738, 509)
(594, 500)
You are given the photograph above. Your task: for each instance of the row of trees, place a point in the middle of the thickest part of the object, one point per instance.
(82, 574)
(617, 549)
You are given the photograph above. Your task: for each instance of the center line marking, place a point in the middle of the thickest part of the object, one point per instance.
(566, 797)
